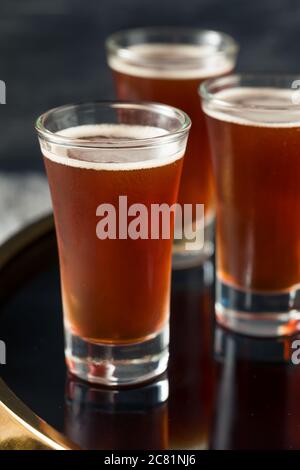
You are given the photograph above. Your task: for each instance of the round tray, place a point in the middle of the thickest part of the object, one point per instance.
(222, 391)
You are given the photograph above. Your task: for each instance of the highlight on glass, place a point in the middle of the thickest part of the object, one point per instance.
(167, 64)
(115, 286)
(254, 128)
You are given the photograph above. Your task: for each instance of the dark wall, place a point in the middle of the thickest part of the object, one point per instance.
(52, 51)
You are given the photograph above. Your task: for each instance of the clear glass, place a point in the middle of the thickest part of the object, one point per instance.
(102, 159)
(167, 64)
(254, 129)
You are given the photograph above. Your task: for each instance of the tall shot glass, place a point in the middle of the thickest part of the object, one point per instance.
(254, 128)
(107, 165)
(167, 65)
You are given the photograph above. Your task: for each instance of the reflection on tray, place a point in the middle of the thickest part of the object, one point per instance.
(145, 417)
(102, 418)
(191, 372)
(256, 399)
(226, 391)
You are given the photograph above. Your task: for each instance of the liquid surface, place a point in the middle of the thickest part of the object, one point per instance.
(171, 61)
(111, 158)
(264, 107)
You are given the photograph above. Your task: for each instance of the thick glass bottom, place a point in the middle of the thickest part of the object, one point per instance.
(257, 314)
(115, 365)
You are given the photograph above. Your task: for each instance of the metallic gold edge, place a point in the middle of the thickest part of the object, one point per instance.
(20, 427)
(24, 429)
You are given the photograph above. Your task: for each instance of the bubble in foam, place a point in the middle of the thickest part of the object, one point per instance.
(172, 61)
(110, 158)
(262, 107)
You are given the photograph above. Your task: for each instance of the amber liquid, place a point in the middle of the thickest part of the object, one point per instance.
(196, 181)
(114, 291)
(257, 174)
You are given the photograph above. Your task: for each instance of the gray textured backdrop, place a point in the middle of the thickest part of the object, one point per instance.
(51, 52)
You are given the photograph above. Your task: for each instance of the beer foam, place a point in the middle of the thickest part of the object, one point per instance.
(96, 132)
(172, 61)
(107, 158)
(261, 107)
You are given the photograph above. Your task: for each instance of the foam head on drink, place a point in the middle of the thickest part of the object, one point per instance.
(255, 135)
(114, 290)
(171, 74)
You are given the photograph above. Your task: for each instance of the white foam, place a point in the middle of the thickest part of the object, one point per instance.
(261, 107)
(172, 61)
(93, 158)
(113, 131)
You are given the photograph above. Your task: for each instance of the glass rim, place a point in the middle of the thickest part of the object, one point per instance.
(114, 142)
(113, 41)
(209, 89)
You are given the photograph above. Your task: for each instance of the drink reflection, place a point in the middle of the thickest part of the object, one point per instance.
(100, 418)
(142, 418)
(191, 372)
(257, 393)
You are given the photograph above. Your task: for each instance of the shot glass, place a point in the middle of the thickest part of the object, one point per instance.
(254, 129)
(109, 165)
(167, 64)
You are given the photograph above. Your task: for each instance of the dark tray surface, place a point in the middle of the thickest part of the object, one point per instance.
(225, 391)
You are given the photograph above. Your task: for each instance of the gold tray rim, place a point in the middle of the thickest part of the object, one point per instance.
(20, 427)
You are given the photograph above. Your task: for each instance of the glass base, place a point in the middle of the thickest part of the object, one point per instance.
(115, 365)
(184, 259)
(258, 314)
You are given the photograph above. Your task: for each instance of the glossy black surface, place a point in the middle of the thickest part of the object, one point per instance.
(225, 391)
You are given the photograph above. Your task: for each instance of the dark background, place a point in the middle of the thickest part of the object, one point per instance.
(52, 52)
